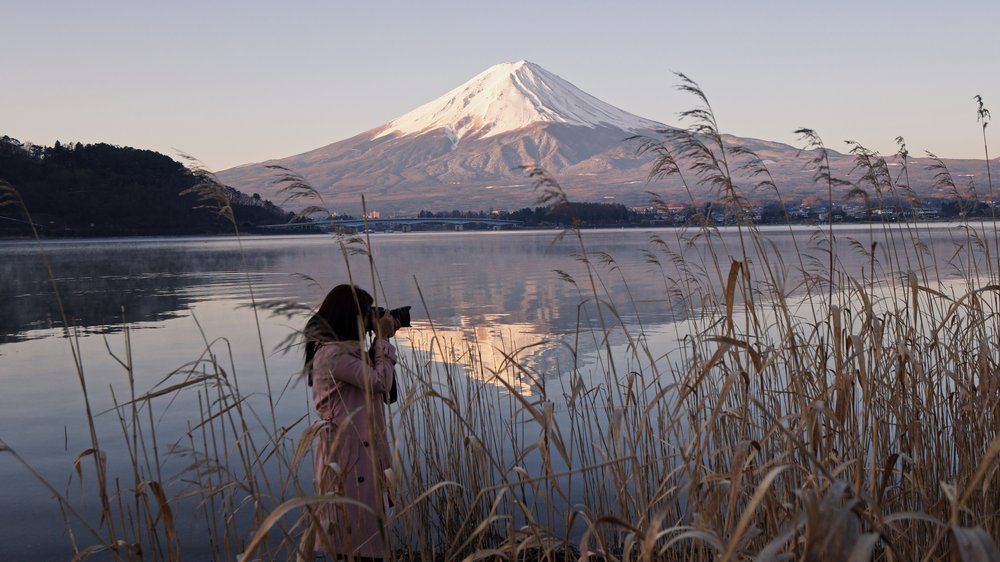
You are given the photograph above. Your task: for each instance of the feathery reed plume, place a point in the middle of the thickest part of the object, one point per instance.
(214, 195)
(295, 187)
(822, 174)
(983, 116)
(209, 191)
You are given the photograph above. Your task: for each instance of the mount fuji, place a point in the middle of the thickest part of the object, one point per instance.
(464, 151)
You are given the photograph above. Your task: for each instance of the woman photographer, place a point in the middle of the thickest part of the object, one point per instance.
(352, 450)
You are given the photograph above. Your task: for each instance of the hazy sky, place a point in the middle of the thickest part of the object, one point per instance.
(237, 82)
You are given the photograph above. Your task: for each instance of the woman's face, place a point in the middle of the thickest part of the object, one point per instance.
(369, 318)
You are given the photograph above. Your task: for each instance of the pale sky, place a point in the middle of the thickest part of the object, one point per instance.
(237, 82)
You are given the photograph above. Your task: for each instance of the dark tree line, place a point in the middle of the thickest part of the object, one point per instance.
(104, 190)
(580, 214)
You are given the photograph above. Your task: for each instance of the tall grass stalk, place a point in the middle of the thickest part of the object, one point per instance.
(9, 196)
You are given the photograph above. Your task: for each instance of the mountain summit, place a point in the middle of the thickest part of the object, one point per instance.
(511, 96)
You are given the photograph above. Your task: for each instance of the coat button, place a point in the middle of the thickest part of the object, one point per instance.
(361, 478)
(365, 442)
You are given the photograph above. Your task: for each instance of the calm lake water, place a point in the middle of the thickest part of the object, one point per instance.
(175, 294)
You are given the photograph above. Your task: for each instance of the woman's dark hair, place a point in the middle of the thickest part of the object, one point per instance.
(341, 317)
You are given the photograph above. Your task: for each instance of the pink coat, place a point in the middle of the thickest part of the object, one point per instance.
(352, 450)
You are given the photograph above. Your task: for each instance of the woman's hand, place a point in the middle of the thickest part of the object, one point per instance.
(386, 326)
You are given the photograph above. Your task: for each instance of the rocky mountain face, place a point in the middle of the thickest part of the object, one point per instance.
(465, 150)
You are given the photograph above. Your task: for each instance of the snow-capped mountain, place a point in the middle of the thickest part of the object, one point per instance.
(509, 97)
(465, 151)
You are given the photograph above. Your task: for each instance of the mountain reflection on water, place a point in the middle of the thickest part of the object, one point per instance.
(463, 280)
(508, 355)
(468, 282)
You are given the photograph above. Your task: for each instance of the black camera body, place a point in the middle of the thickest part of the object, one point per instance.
(402, 314)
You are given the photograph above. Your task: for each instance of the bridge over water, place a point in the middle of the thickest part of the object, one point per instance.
(403, 223)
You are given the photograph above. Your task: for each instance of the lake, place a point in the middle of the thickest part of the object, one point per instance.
(172, 297)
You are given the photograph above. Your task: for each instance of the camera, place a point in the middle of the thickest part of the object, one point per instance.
(402, 314)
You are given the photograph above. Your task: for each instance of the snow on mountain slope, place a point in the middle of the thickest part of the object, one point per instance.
(508, 97)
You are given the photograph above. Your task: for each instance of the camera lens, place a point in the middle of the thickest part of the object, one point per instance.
(403, 315)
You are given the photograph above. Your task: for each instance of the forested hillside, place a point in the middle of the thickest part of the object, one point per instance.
(104, 190)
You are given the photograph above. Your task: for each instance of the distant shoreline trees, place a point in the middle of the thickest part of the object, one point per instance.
(808, 211)
(78, 190)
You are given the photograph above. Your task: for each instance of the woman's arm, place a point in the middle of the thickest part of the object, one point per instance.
(352, 369)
